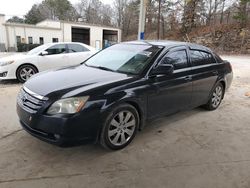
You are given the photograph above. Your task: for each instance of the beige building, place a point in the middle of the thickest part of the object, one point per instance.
(55, 31)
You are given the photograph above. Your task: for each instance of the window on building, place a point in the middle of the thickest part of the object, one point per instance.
(201, 58)
(57, 49)
(30, 40)
(41, 41)
(76, 48)
(178, 59)
(18, 39)
(54, 39)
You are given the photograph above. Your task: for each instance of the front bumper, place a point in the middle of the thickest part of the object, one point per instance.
(62, 130)
(10, 70)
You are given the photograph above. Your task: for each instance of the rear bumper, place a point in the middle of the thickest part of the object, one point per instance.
(229, 80)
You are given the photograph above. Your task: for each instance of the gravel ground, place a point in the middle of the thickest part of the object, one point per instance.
(191, 149)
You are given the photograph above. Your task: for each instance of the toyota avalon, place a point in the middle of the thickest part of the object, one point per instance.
(110, 97)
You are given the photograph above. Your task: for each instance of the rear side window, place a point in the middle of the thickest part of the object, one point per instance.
(201, 58)
(218, 58)
(57, 49)
(76, 48)
(178, 59)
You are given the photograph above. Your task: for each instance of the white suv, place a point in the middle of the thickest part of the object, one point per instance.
(44, 57)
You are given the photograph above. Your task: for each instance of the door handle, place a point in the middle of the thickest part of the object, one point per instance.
(215, 72)
(188, 78)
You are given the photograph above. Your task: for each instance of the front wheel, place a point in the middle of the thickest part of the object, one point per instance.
(120, 127)
(25, 72)
(216, 97)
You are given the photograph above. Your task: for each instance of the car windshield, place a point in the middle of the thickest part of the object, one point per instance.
(38, 49)
(124, 58)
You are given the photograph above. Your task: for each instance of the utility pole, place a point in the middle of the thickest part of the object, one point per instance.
(159, 19)
(142, 19)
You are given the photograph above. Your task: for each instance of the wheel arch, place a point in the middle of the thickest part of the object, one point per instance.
(27, 64)
(224, 86)
(140, 112)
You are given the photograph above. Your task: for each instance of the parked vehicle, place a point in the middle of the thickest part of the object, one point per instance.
(44, 57)
(111, 96)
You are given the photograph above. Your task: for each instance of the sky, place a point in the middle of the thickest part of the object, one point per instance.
(21, 7)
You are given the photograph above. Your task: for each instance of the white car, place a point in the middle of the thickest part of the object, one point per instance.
(44, 57)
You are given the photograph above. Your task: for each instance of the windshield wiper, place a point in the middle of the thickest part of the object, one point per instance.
(102, 68)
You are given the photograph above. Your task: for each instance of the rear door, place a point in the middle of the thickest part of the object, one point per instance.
(204, 75)
(77, 53)
(171, 93)
(57, 57)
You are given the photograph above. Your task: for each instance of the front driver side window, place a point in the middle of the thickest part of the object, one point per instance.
(56, 49)
(177, 58)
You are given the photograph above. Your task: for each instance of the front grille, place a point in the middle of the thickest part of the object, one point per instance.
(29, 102)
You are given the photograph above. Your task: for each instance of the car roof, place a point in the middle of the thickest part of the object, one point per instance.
(52, 43)
(85, 45)
(169, 44)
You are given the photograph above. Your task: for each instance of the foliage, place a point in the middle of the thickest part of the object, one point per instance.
(242, 14)
(15, 19)
(34, 15)
(23, 47)
(95, 12)
(51, 9)
(176, 19)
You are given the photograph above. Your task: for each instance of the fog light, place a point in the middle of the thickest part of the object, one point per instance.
(4, 74)
(57, 136)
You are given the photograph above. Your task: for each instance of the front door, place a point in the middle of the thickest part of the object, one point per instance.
(171, 93)
(57, 57)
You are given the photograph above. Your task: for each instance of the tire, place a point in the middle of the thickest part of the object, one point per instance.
(216, 97)
(120, 127)
(24, 72)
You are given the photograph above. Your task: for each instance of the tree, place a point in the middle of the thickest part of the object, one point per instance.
(51, 9)
(95, 12)
(243, 12)
(130, 18)
(192, 14)
(119, 8)
(106, 15)
(16, 19)
(34, 15)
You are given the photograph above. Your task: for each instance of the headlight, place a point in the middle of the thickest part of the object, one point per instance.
(6, 63)
(68, 106)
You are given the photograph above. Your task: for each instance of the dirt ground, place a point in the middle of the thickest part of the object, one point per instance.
(192, 149)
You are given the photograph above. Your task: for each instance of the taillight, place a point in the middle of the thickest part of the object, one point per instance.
(231, 68)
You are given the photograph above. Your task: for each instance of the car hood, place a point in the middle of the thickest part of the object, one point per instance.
(72, 77)
(15, 57)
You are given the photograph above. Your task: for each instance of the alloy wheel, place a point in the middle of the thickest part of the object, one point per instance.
(121, 128)
(26, 73)
(217, 96)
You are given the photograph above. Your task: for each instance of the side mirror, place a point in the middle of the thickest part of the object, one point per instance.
(44, 53)
(162, 69)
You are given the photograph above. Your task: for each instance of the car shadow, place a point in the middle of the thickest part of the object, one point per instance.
(79, 159)
(152, 127)
(173, 118)
(9, 82)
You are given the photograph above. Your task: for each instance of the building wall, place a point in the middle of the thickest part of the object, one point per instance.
(96, 33)
(3, 40)
(48, 30)
(35, 33)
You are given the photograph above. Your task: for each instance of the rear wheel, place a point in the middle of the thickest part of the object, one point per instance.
(216, 97)
(120, 127)
(24, 72)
